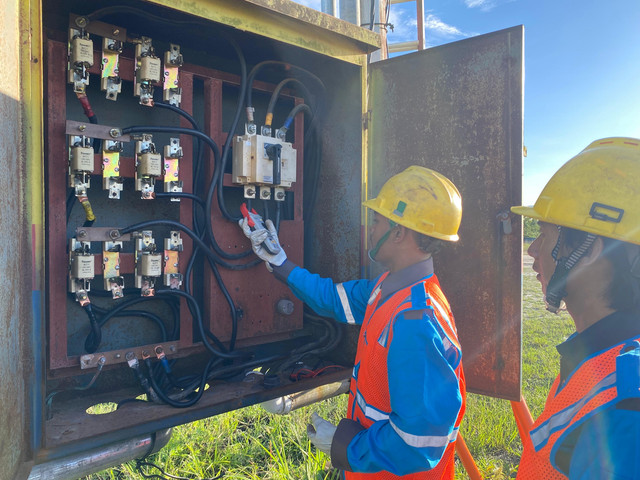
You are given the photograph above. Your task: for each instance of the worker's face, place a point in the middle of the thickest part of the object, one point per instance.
(541, 248)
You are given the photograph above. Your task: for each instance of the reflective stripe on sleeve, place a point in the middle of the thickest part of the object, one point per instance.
(541, 435)
(345, 304)
(370, 412)
(421, 441)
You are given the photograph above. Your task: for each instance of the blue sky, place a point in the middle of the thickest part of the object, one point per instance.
(582, 68)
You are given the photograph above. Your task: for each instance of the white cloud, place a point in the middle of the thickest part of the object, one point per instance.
(484, 5)
(435, 25)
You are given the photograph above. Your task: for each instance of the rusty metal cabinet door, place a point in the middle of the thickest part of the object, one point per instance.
(458, 109)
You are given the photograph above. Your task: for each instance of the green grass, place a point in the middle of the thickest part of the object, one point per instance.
(252, 444)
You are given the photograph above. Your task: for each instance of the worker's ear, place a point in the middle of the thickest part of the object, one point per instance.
(399, 234)
(595, 252)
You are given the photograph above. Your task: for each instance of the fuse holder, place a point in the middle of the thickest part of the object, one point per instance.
(82, 51)
(82, 159)
(150, 164)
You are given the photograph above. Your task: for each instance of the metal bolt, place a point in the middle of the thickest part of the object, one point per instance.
(81, 22)
(250, 191)
(117, 355)
(114, 234)
(285, 307)
(130, 356)
(102, 361)
(82, 233)
(280, 195)
(114, 132)
(172, 348)
(82, 128)
(116, 32)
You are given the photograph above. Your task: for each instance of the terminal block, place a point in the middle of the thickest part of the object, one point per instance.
(263, 162)
(80, 56)
(148, 71)
(111, 178)
(80, 163)
(172, 156)
(148, 166)
(113, 279)
(111, 81)
(172, 249)
(148, 264)
(81, 266)
(172, 93)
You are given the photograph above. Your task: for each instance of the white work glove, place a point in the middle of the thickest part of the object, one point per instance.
(321, 433)
(262, 237)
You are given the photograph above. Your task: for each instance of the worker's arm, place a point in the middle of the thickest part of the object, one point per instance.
(608, 446)
(346, 302)
(425, 402)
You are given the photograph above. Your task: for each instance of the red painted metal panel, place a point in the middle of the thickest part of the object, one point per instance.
(259, 319)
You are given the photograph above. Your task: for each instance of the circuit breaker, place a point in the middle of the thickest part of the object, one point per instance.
(261, 162)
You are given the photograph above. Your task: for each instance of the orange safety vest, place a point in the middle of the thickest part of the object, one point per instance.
(369, 392)
(589, 389)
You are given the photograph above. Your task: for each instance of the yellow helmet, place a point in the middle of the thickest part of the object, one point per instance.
(422, 200)
(597, 191)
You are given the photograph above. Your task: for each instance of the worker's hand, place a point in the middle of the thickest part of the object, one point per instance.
(259, 236)
(321, 433)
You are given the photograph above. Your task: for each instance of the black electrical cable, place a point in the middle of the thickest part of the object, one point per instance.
(173, 305)
(294, 111)
(188, 196)
(198, 156)
(234, 125)
(143, 314)
(277, 223)
(126, 303)
(166, 399)
(276, 93)
(92, 342)
(287, 66)
(199, 322)
(180, 112)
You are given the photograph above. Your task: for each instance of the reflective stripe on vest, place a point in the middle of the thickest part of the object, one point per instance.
(541, 434)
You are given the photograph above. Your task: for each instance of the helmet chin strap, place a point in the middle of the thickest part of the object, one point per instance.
(374, 251)
(557, 286)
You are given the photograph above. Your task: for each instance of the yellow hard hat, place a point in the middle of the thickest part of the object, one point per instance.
(422, 200)
(597, 191)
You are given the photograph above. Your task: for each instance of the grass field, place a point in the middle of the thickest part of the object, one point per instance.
(252, 444)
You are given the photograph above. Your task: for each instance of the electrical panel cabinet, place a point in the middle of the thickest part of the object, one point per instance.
(149, 129)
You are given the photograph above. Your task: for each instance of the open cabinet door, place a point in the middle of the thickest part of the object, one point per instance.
(458, 109)
(20, 236)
